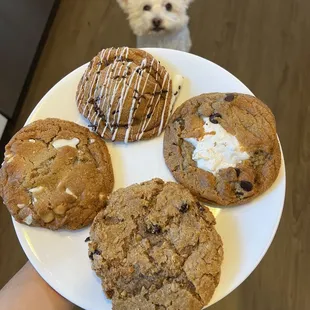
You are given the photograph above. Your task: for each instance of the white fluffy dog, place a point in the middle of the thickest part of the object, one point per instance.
(159, 23)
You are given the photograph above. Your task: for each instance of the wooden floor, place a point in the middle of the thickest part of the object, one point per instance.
(265, 44)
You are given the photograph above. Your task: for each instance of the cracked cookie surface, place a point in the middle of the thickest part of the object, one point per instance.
(155, 247)
(126, 94)
(56, 174)
(240, 116)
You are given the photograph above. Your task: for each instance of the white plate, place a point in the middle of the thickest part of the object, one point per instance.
(247, 231)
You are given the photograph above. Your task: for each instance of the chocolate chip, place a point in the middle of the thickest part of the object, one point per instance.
(91, 255)
(184, 208)
(214, 116)
(201, 208)
(246, 185)
(149, 115)
(259, 152)
(87, 239)
(180, 87)
(239, 194)
(175, 93)
(109, 293)
(113, 112)
(181, 122)
(98, 72)
(153, 229)
(93, 127)
(229, 97)
(91, 100)
(238, 171)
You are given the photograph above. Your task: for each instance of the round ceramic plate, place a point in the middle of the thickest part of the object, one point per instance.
(247, 231)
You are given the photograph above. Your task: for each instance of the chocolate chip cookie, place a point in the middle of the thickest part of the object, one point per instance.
(56, 174)
(126, 95)
(223, 147)
(155, 247)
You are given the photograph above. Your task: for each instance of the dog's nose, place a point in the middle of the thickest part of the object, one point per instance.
(157, 22)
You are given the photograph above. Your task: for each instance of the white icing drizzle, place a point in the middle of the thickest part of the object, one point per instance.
(165, 105)
(132, 109)
(20, 205)
(57, 144)
(122, 81)
(102, 54)
(134, 100)
(106, 87)
(149, 104)
(123, 98)
(146, 120)
(80, 93)
(155, 106)
(122, 86)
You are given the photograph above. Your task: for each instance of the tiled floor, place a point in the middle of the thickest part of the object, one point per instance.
(264, 43)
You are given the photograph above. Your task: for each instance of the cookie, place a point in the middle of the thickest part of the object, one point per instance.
(155, 247)
(223, 147)
(56, 174)
(127, 95)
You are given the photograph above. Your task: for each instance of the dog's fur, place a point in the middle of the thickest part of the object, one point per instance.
(173, 32)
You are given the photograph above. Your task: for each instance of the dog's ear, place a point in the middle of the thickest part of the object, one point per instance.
(124, 4)
(188, 2)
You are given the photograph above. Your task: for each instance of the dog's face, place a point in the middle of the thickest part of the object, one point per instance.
(155, 16)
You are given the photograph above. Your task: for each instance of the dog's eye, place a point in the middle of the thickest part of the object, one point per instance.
(147, 8)
(169, 7)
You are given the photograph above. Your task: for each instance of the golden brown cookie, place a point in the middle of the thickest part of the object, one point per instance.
(126, 95)
(223, 147)
(56, 174)
(155, 247)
